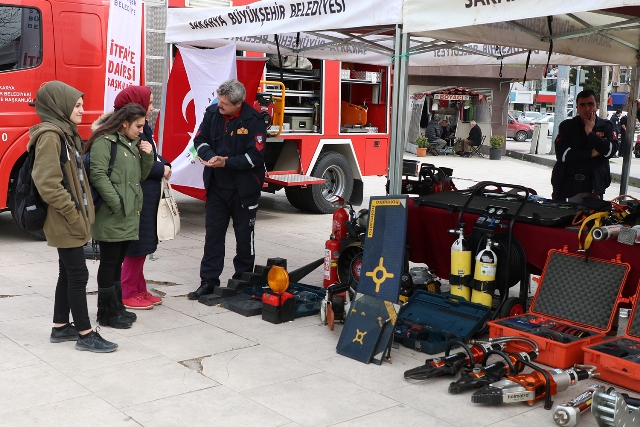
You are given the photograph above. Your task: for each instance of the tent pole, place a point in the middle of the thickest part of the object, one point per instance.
(168, 56)
(398, 109)
(631, 126)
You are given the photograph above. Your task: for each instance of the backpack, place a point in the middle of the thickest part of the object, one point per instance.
(86, 159)
(30, 211)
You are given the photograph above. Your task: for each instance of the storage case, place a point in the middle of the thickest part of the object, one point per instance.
(298, 123)
(622, 368)
(573, 307)
(428, 322)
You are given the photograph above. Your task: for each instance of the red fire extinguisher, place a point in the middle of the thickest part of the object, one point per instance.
(331, 253)
(340, 216)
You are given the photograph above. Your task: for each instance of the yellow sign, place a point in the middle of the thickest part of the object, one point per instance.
(359, 336)
(374, 275)
(372, 213)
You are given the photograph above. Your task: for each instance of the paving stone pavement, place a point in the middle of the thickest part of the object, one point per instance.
(186, 364)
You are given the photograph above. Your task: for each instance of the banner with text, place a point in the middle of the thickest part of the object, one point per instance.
(196, 25)
(206, 70)
(428, 15)
(124, 48)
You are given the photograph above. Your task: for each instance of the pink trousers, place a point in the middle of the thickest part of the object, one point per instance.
(132, 276)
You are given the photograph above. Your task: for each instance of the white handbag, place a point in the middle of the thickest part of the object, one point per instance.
(168, 214)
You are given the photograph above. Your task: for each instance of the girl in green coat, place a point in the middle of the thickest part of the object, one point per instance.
(70, 211)
(118, 217)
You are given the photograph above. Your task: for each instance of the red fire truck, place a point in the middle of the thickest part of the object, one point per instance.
(341, 139)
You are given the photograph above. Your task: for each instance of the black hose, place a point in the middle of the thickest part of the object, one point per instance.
(453, 343)
(502, 354)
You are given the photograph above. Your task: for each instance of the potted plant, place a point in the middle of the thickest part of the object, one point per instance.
(496, 142)
(423, 144)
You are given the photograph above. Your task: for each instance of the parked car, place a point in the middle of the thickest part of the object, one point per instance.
(516, 113)
(518, 131)
(528, 116)
(546, 119)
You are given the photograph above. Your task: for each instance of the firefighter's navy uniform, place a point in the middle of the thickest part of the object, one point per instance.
(575, 170)
(233, 190)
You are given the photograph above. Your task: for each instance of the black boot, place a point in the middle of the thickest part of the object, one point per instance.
(123, 311)
(108, 312)
(204, 289)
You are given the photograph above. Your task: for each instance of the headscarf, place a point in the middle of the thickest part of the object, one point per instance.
(140, 95)
(55, 102)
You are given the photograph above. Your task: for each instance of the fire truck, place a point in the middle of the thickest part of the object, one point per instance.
(336, 118)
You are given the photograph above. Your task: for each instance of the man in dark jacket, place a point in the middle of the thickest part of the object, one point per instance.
(583, 147)
(433, 133)
(230, 144)
(474, 139)
(615, 119)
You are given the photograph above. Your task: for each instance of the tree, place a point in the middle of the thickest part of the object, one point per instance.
(593, 80)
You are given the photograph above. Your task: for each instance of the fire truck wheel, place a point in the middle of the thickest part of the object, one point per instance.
(10, 202)
(294, 196)
(336, 171)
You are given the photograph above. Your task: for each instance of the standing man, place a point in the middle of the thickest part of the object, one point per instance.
(475, 138)
(615, 119)
(230, 144)
(583, 148)
(623, 135)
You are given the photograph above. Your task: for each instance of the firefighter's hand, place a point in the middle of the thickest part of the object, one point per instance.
(146, 146)
(594, 152)
(590, 124)
(218, 161)
(167, 172)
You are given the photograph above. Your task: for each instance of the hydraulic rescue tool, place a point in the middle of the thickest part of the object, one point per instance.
(481, 376)
(532, 386)
(568, 414)
(613, 409)
(450, 364)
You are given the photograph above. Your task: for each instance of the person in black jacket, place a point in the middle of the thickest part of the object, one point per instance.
(583, 147)
(474, 139)
(432, 132)
(230, 143)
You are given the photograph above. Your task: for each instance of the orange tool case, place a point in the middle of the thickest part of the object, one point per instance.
(618, 359)
(352, 114)
(574, 306)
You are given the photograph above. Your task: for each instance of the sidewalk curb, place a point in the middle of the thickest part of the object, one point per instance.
(545, 161)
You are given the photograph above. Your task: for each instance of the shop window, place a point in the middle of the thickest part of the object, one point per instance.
(20, 38)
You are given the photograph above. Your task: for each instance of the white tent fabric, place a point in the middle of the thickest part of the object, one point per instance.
(197, 26)
(579, 28)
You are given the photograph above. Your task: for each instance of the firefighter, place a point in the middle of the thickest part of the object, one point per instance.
(230, 144)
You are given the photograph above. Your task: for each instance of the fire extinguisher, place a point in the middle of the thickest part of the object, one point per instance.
(484, 277)
(460, 275)
(331, 253)
(340, 216)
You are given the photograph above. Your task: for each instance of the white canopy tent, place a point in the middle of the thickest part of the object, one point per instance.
(423, 32)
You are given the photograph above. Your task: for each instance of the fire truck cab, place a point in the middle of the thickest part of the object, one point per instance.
(43, 40)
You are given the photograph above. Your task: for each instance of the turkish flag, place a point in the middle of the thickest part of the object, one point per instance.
(180, 109)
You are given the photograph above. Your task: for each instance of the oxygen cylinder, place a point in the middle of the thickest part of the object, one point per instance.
(331, 254)
(460, 274)
(338, 229)
(484, 277)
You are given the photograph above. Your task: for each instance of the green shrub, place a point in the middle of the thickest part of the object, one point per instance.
(496, 141)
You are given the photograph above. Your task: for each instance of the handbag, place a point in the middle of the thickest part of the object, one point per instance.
(168, 214)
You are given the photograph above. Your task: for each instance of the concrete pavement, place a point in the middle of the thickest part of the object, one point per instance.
(186, 364)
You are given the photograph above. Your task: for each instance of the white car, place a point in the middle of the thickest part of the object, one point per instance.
(545, 119)
(529, 116)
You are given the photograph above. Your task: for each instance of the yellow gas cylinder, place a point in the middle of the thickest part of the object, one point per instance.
(460, 275)
(484, 277)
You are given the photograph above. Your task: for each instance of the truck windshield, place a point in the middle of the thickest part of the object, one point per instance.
(20, 38)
